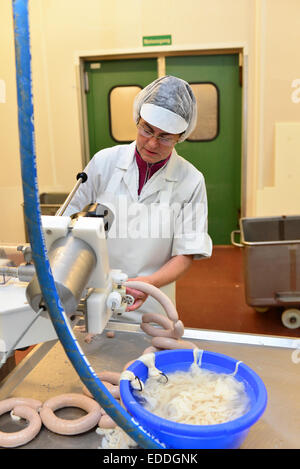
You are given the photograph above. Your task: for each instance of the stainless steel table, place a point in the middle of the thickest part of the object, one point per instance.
(276, 360)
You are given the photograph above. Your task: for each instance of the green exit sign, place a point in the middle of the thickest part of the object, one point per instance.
(157, 40)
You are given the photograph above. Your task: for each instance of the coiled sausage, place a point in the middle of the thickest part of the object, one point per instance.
(110, 379)
(160, 296)
(106, 422)
(70, 427)
(114, 390)
(171, 344)
(24, 408)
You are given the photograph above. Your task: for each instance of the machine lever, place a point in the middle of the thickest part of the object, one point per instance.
(81, 178)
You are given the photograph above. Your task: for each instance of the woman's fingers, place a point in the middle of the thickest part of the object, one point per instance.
(139, 297)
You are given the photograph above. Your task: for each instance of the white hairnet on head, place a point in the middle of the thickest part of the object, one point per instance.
(169, 104)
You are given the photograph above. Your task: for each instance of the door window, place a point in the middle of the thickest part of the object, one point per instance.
(122, 125)
(207, 98)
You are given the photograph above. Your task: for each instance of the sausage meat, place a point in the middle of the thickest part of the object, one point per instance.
(160, 296)
(70, 427)
(170, 329)
(113, 389)
(106, 422)
(172, 344)
(110, 379)
(25, 408)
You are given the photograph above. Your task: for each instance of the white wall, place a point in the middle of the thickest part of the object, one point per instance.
(63, 29)
(11, 225)
(277, 158)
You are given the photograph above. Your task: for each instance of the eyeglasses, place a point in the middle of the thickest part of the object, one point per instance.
(163, 140)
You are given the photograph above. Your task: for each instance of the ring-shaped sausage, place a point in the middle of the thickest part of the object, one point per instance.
(22, 409)
(178, 329)
(70, 427)
(170, 329)
(150, 349)
(110, 378)
(11, 402)
(171, 344)
(106, 422)
(160, 296)
(112, 388)
(159, 319)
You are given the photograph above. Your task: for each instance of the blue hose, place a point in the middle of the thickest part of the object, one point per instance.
(39, 253)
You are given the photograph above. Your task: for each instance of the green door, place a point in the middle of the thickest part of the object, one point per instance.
(215, 146)
(216, 153)
(104, 78)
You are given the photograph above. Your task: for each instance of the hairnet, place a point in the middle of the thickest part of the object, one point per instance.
(170, 103)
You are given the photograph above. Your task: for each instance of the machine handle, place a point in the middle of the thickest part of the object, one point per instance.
(81, 178)
(288, 297)
(233, 233)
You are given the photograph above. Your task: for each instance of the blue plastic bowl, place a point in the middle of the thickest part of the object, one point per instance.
(228, 435)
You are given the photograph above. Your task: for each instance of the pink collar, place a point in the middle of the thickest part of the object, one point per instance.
(146, 170)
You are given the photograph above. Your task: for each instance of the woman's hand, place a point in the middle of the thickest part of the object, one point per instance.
(168, 273)
(139, 297)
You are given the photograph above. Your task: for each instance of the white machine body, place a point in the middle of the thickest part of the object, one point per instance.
(102, 287)
(16, 314)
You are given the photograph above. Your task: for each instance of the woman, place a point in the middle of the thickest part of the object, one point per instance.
(158, 198)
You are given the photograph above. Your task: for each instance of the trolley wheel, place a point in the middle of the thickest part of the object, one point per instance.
(262, 309)
(291, 318)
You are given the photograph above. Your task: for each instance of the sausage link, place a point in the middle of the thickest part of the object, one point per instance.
(70, 427)
(87, 393)
(166, 323)
(112, 377)
(106, 422)
(178, 329)
(174, 331)
(21, 437)
(8, 404)
(167, 343)
(163, 321)
(160, 296)
(151, 349)
(103, 411)
(113, 389)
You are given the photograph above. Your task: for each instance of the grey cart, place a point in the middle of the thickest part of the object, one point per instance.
(271, 256)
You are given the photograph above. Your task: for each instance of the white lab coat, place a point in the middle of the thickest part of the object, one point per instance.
(168, 218)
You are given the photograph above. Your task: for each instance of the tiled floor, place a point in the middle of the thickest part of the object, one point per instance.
(211, 296)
